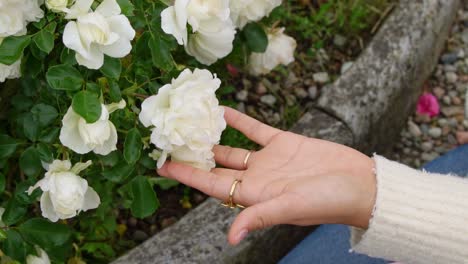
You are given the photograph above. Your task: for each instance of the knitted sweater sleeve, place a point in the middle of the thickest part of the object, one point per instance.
(418, 218)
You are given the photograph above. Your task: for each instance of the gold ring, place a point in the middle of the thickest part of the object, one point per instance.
(246, 159)
(230, 202)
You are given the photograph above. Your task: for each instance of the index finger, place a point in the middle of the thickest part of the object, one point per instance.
(250, 127)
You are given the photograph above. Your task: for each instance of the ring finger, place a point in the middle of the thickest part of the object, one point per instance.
(234, 158)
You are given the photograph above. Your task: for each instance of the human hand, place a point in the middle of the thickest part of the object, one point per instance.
(292, 180)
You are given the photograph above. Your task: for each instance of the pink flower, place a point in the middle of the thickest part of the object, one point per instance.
(428, 105)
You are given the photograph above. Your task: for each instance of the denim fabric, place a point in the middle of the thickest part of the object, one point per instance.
(329, 244)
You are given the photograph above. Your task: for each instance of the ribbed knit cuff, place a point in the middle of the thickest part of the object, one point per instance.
(419, 217)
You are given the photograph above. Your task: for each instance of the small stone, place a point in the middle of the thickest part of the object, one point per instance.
(414, 129)
(427, 146)
(438, 92)
(449, 58)
(139, 235)
(451, 77)
(462, 88)
(452, 140)
(313, 91)
(461, 54)
(450, 111)
(456, 100)
(241, 107)
(453, 122)
(246, 83)
(321, 77)
(435, 132)
(442, 122)
(168, 222)
(464, 36)
(346, 66)
(291, 79)
(465, 123)
(261, 89)
(446, 99)
(132, 222)
(242, 95)
(339, 40)
(429, 156)
(445, 130)
(268, 99)
(450, 68)
(407, 151)
(424, 129)
(300, 92)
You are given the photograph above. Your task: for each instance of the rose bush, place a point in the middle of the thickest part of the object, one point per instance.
(120, 84)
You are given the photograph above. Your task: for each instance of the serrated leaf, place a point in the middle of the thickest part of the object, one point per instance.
(44, 114)
(44, 40)
(112, 67)
(118, 173)
(133, 146)
(14, 211)
(30, 162)
(257, 39)
(160, 53)
(12, 49)
(15, 246)
(144, 202)
(7, 146)
(44, 233)
(64, 77)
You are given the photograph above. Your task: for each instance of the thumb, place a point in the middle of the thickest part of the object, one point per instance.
(259, 216)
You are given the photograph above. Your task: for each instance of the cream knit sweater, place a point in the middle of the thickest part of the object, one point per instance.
(419, 217)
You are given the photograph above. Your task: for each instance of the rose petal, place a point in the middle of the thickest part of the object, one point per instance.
(69, 134)
(110, 144)
(109, 8)
(91, 200)
(47, 208)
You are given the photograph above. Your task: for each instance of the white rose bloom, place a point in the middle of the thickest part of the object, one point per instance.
(57, 5)
(212, 33)
(65, 194)
(104, 31)
(16, 14)
(99, 137)
(41, 258)
(186, 118)
(280, 50)
(245, 11)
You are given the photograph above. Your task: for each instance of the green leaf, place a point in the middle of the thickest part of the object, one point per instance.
(44, 233)
(30, 162)
(3, 235)
(45, 154)
(64, 77)
(164, 183)
(145, 202)
(67, 57)
(161, 53)
(30, 127)
(7, 146)
(44, 40)
(14, 211)
(12, 48)
(127, 7)
(112, 67)
(118, 173)
(49, 135)
(114, 91)
(2, 183)
(23, 197)
(15, 247)
(87, 105)
(44, 114)
(257, 39)
(133, 146)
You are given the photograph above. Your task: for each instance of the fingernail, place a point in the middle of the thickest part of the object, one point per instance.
(242, 234)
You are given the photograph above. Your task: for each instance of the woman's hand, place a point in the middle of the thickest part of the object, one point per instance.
(291, 180)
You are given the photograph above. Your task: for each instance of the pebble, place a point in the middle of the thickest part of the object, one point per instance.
(312, 91)
(450, 111)
(442, 122)
(464, 36)
(268, 99)
(457, 100)
(429, 156)
(339, 40)
(242, 95)
(261, 89)
(451, 77)
(139, 235)
(446, 99)
(241, 107)
(346, 66)
(449, 58)
(438, 92)
(414, 129)
(427, 146)
(321, 77)
(465, 123)
(435, 132)
(301, 92)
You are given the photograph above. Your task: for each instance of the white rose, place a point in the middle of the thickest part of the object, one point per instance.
(104, 31)
(57, 5)
(41, 258)
(245, 11)
(280, 50)
(65, 194)
(16, 14)
(212, 33)
(99, 137)
(186, 118)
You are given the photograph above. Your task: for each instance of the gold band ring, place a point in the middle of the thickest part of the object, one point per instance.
(230, 202)
(246, 159)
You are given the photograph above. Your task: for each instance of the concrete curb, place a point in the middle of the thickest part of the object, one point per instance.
(365, 108)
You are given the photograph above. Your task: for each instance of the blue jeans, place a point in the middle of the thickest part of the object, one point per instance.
(329, 244)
